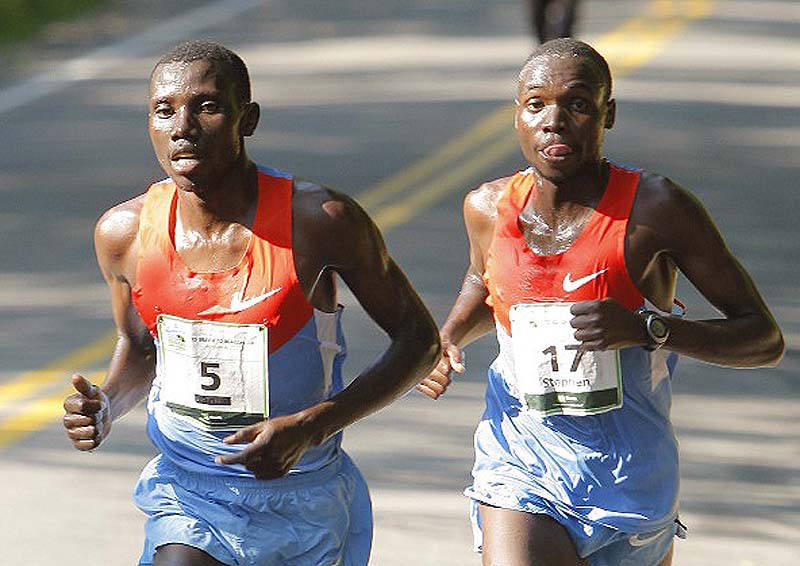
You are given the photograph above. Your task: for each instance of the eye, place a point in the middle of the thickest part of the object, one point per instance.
(534, 105)
(210, 107)
(581, 105)
(163, 110)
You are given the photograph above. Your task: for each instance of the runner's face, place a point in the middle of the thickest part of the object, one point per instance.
(195, 122)
(560, 116)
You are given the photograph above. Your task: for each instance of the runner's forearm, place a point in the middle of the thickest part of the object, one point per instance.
(748, 341)
(470, 318)
(129, 377)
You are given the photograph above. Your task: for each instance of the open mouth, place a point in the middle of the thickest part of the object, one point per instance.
(556, 152)
(183, 162)
(185, 155)
(185, 151)
(185, 158)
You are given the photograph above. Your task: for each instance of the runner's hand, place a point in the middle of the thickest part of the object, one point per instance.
(606, 325)
(87, 418)
(274, 447)
(437, 382)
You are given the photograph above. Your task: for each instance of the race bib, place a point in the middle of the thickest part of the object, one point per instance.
(214, 372)
(554, 376)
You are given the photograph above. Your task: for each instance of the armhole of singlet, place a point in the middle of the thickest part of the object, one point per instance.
(148, 233)
(266, 177)
(149, 230)
(505, 203)
(515, 197)
(631, 193)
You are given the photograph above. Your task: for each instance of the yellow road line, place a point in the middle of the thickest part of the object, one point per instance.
(487, 127)
(641, 38)
(37, 413)
(29, 382)
(437, 189)
(627, 47)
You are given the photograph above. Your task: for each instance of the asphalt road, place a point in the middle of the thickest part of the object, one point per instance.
(405, 106)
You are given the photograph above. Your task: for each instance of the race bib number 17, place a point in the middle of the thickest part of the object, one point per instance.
(214, 372)
(554, 376)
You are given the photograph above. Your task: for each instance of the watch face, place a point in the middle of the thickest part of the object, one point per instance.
(658, 328)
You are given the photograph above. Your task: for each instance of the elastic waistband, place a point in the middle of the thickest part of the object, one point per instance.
(293, 480)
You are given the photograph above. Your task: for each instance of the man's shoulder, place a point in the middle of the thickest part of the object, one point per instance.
(491, 190)
(117, 228)
(330, 229)
(316, 202)
(481, 202)
(306, 190)
(668, 209)
(655, 182)
(657, 194)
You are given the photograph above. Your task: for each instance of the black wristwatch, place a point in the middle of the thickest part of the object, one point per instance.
(656, 327)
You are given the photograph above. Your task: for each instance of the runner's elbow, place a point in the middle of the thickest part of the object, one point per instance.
(774, 349)
(768, 350)
(433, 354)
(427, 345)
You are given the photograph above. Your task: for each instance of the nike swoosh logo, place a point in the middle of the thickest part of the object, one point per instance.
(638, 540)
(238, 304)
(570, 286)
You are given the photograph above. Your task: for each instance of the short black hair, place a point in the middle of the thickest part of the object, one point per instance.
(569, 47)
(227, 60)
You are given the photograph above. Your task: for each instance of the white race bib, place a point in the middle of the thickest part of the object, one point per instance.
(214, 372)
(555, 377)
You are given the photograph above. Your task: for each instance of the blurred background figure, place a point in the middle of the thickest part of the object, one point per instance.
(552, 18)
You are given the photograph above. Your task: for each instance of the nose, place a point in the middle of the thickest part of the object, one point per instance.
(184, 125)
(553, 120)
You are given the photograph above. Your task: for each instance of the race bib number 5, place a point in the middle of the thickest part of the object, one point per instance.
(214, 372)
(554, 376)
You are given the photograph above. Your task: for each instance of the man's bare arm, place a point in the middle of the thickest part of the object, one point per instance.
(748, 335)
(386, 295)
(334, 235)
(669, 224)
(470, 317)
(91, 410)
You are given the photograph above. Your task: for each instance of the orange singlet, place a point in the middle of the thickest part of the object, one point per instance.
(592, 268)
(208, 382)
(261, 289)
(556, 439)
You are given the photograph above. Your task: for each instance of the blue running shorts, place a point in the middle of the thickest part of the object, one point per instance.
(320, 518)
(598, 544)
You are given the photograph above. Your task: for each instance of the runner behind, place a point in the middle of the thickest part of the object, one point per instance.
(574, 262)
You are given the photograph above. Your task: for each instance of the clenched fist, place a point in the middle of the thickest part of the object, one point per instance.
(87, 418)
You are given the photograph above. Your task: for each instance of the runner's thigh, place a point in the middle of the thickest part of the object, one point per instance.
(516, 538)
(182, 555)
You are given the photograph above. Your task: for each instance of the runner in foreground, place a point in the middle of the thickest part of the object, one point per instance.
(574, 262)
(223, 287)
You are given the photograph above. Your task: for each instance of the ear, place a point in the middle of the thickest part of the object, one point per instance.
(516, 114)
(250, 115)
(611, 114)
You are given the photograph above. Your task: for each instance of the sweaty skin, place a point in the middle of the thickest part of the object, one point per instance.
(561, 113)
(197, 128)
